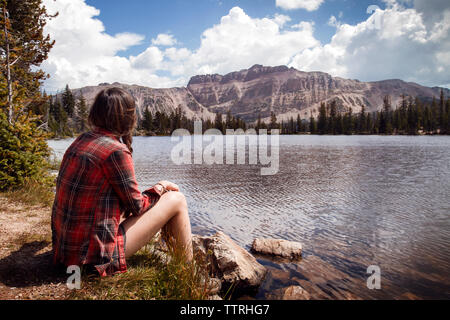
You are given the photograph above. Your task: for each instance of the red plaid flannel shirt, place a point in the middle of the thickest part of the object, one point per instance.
(95, 186)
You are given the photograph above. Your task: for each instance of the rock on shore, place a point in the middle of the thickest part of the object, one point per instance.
(229, 262)
(278, 247)
(289, 293)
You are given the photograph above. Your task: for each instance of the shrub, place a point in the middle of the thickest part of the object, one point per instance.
(23, 153)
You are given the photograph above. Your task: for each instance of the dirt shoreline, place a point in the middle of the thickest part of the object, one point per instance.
(26, 272)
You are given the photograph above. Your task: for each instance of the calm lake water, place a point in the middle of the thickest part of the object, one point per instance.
(352, 201)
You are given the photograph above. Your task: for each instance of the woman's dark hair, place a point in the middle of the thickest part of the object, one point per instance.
(114, 109)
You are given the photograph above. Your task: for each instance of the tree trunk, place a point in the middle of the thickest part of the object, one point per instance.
(8, 69)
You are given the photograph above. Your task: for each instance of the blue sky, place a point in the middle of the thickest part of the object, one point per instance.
(164, 43)
(186, 20)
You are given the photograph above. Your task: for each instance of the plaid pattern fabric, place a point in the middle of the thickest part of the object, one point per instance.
(95, 185)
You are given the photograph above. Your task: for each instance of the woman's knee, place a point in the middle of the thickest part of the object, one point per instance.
(177, 198)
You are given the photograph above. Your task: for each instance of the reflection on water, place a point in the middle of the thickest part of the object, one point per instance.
(352, 201)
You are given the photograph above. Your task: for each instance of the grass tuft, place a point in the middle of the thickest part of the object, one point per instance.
(150, 276)
(32, 193)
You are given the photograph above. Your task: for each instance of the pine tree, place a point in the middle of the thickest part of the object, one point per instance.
(332, 119)
(82, 114)
(273, 121)
(370, 128)
(348, 122)
(291, 126)
(339, 124)
(404, 115)
(172, 121)
(396, 122)
(68, 101)
(61, 119)
(147, 122)
(24, 48)
(312, 125)
(157, 122)
(322, 122)
(418, 106)
(427, 119)
(218, 123)
(362, 123)
(58, 119)
(176, 120)
(164, 126)
(53, 112)
(284, 128)
(229, 120)
(300, 127)
(386, 116)
(208, 124)
(433, 117)
(412, 118)
(258, 123)
(243, 125)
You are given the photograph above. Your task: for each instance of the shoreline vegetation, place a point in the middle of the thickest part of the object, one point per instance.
(26, 271)
(65, 116)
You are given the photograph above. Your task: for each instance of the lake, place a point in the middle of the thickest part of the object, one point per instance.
(352, 201)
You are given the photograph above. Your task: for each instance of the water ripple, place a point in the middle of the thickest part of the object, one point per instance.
(352, 201)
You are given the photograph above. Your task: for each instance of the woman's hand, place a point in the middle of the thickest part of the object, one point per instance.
(169, 186)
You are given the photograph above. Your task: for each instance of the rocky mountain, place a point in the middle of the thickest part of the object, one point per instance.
(163, 100)
(261, 90)
(288, 92)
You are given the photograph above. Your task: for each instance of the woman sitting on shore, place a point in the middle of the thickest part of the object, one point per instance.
(99, 217)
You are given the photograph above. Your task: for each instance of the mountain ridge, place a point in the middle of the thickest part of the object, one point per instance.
(261, 90)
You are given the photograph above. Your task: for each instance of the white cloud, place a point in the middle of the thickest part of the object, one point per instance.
(240, 41)
(149, 59)
(281, 19)
(177, 55)
(409, 44)
(391, 43)
(333, 22)
(84, 54)
(164, 39)
(309, 5)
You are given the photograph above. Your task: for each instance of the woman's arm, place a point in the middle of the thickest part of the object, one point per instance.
(119, 170)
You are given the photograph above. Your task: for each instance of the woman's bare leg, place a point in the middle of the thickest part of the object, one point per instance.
(171, 212)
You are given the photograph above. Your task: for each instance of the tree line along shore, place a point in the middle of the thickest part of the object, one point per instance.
(65, 115)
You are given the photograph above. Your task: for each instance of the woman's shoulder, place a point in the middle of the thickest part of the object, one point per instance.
(97, 145)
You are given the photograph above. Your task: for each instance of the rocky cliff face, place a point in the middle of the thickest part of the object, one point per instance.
(163, 100)
(262, 90)
(288, 92)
